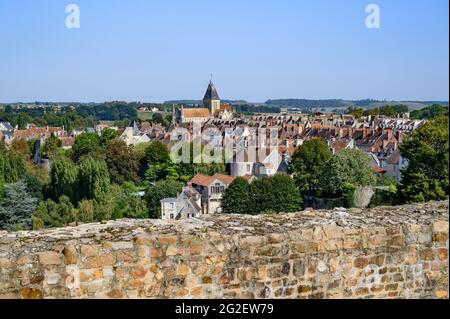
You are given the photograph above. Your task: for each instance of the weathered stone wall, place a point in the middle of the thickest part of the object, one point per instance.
(398, 252)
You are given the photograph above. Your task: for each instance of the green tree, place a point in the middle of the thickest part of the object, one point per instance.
(261, 196)
(157, 118)
(51, 146)
(129, 204)
(157, 153)
(349, 166)
(159, 163)
(86, 211)
(93, 179)
(161, 189)
(50, 214)
(430, 112)
(286, 197)
(426, 149)
(84, 144)
(308, 163)
(64, 179)
(273, 194)
(136, 208)
(22, 121)
(34, 185)
(122, 164)
(235, 198)
(355, 111)
(17, 207)
(20, 146)
(108, 134)
(12, 167)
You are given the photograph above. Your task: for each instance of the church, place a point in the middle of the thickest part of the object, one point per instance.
(212, 108)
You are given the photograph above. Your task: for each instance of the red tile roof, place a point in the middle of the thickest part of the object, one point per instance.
(195, 112)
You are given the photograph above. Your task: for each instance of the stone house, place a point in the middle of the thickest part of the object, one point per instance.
(133, 136)
(211, 189)
(186, 205)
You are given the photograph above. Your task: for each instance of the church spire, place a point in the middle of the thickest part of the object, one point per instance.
(211, 100)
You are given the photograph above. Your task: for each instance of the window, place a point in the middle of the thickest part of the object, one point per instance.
(217, 188)
(248, 167)
(171, 205)
(171, 216)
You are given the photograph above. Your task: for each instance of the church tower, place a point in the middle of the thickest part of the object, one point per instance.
(211, 99)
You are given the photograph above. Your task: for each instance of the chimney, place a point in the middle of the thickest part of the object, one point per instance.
(364, 132)
(389, 134)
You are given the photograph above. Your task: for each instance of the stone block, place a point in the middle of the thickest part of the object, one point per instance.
(50, 258)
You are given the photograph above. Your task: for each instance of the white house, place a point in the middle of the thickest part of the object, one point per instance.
(186, 205)
(133, 136)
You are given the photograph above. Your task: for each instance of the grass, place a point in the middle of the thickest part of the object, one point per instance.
(145, 116)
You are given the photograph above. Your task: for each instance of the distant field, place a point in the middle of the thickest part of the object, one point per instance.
(144, 116)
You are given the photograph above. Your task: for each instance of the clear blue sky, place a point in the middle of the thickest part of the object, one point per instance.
(140, 50)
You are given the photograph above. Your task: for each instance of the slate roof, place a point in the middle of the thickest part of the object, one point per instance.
(211, 92)
(8, 126)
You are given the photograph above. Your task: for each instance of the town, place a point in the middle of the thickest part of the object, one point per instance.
(182, 166)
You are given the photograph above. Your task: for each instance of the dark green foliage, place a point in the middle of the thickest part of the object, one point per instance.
(22, 121)
(34, 186)
(85, 211)
(108, 135)
(85, 144)
(235, 199)
(16, 207)
(12, 166)
(157, 118)
(427, 151)
(272, 194)
(160, 190)
(157, 153)
(93, 179)
(387, 110)
(122, 164)
(348, 192)
(308, 163)
(430, 112)
(351, 166)
(51, 146)
(306, 104)
(64, 180)
(51, 214)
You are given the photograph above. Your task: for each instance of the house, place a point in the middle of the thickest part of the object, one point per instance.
(393, 165)
(6, 132)
(133, 136)
(6, 127)
(211, 189)
(259, 162)
(38, 133)
(186, 205)
(101, 126)
(67, 142)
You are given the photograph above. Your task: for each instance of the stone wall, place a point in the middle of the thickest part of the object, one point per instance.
(391, 252)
